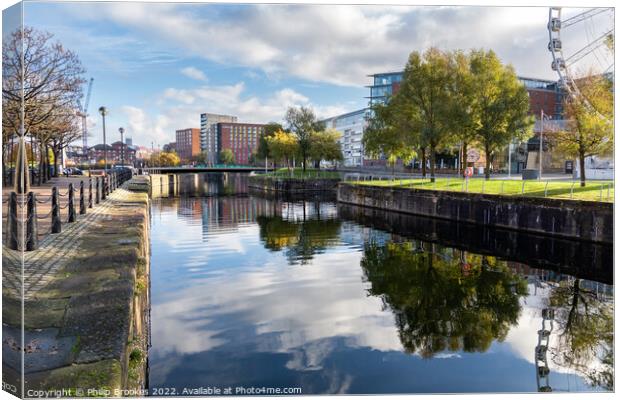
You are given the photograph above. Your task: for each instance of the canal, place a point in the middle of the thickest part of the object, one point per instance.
(251, 292)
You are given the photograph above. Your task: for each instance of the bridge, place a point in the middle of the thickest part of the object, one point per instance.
(183, 170)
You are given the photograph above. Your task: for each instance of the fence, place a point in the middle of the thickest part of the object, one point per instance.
(22, 225)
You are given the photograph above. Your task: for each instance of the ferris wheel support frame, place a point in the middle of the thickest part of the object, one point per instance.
(560, 64)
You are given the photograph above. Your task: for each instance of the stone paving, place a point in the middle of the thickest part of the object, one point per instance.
(39, 266)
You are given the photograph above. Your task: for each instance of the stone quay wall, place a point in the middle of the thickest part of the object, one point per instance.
(582, 220)
(267, 184)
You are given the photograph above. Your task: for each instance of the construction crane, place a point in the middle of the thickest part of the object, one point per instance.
(83, 112)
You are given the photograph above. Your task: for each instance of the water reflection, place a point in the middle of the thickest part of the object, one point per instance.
(253, 291)
(444, 299)
(299, 240)
(584, 318)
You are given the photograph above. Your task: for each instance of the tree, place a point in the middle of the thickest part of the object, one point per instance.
(385, 135)
(227, 156)
(324, 146)
(463, 119)
(164, 159)
(500, 109)
(200, 158)
(590, 130)
(65, 129)
(40, 77)
(283, 146)
(303, 123)
(170, 159)
(263, 147)
(425, 101)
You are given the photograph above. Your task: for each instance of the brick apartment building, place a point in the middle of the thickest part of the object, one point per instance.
(114, 153)
(188, 143)
(208, 133)
(240, 138)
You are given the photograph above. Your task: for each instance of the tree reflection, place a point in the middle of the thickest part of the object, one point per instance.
(585, 340)
(300, 240)
(443, 299)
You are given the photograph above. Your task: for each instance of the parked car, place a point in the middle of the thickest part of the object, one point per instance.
(73, 171)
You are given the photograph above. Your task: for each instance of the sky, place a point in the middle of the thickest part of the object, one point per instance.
(157, 66)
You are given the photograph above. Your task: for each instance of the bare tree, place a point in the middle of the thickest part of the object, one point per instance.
(42, 82)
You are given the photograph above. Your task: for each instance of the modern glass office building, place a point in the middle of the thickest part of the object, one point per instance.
(384, 85)
(545, 95)
(351, 125)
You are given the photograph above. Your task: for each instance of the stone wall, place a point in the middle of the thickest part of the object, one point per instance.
(587, 260)
(292, 185)
(584, 220)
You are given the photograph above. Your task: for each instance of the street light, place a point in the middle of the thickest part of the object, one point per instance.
(104, 111)
(122, 130)
(540, 147)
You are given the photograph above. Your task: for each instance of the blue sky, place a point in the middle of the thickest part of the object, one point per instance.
(158, 65)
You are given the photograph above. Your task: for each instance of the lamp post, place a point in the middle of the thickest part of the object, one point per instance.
(509, 157)
(540, 148)
(104, 111)
(122, 130)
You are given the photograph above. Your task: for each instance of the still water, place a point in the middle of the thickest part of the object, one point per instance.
(249, 292)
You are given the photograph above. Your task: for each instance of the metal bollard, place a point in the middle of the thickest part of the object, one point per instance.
(56, 224)
(97, 190)
(32, 231)
(90, 192)
(82, 203)
(11, 223)
(103, 187)
(71, 205)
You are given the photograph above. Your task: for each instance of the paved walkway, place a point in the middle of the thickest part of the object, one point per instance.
(84, 306)
(54, 251)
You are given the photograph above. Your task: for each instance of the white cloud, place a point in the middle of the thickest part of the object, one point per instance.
(341, 44)
(194, 73)
(181, 108)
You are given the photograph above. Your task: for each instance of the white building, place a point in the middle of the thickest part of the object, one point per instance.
(352, 126)
(208, 134)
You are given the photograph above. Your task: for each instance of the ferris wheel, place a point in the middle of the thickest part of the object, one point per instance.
(581, 44)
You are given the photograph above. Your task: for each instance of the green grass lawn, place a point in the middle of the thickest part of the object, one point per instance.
(298, 173)
(593, 191)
